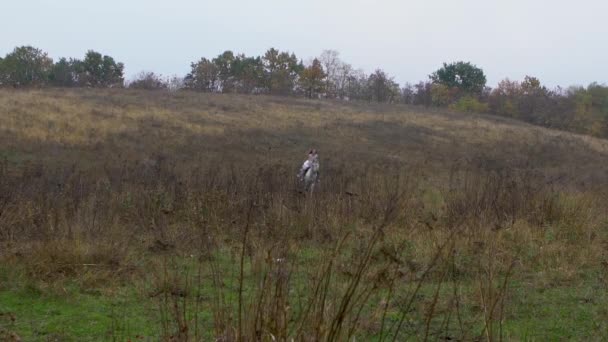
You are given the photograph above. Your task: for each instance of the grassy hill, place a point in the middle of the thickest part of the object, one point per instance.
(141, 214)
(99, 126)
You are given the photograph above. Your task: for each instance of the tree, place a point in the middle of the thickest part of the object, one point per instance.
(101, 71)
(408, 93)
(502, 100)
(203, 77)
(423, 95)
(271, 67)
(3, 73)
(356, 85)
(25, 66)
(464, 76)
(531, 85)
(381, 87)
(442, 95)
(65, 73)
(148, 80)
(590, 109)
(312, 79)
(92, 69)
(599, 98)
(341, 79)
(330, 60)
(532, 99)
(281, 71)
(469, 104)
(248, 73)
(112, 72)
(599, 102)
(175, 83)
(225, 68)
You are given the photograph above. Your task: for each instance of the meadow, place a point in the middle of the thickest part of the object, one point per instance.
(130, 215)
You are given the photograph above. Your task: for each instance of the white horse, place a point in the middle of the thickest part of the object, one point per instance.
(309, 173)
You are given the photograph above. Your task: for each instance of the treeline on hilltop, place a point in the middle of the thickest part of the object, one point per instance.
(460, 86)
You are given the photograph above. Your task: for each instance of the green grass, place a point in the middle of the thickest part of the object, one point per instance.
(69, 312)
(575, 312)
(75, 315)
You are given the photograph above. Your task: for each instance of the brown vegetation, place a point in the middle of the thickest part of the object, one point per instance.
(421, 215)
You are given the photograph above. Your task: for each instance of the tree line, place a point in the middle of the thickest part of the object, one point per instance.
(29, 66)
(282, 73)
(460, 86)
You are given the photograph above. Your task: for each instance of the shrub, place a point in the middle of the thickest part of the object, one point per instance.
(148, 80)
(469, 104)
(442, 95)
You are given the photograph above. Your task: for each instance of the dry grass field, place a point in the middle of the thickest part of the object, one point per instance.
(143, 215)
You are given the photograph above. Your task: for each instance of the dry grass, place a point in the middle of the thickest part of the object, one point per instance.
(423, 222)
(139, 125)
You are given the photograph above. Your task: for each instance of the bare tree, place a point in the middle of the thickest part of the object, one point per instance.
(330, 60)
(175, 83)
(356, 84)
(381, 87)
(408, 93)
(341, 79)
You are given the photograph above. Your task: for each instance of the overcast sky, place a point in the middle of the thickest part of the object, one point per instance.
(560, 42)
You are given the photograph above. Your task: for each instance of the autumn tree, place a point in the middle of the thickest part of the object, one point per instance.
(381, 87)
(442, 95)
(533, 97)
(312, 79)
(503, 98)
(527, 100)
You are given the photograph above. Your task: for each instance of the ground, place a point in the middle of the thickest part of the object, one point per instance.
(148, 215)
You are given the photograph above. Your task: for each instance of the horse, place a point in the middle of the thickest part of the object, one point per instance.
(309, 172)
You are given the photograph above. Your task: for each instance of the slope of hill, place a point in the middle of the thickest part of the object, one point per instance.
(92, 126)
(149, 215)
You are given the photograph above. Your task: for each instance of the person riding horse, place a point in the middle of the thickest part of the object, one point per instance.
(309, 173)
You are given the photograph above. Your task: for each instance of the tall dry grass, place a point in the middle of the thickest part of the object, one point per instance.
(270, 262)
(418, 230)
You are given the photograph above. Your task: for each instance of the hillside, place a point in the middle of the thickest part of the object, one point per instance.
(89, 126)
(150, 215)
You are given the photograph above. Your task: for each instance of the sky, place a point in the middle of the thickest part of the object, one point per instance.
(560, 42)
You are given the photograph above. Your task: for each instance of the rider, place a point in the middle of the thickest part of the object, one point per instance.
(309, 173)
